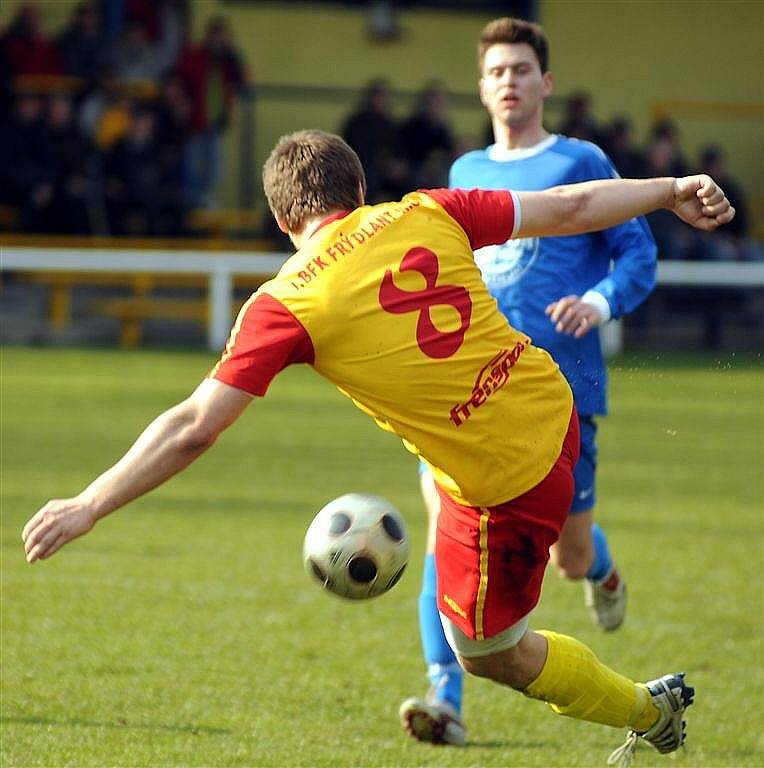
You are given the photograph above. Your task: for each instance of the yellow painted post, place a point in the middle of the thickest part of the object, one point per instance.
(60, 310)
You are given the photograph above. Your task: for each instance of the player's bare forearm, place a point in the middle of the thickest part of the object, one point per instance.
(168, 445)
(593, 205)
(586, 207)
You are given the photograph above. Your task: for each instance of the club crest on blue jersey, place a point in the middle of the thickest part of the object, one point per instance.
(505, 264)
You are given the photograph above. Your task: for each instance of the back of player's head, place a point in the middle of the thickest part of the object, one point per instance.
(510, 30)
(309, 173)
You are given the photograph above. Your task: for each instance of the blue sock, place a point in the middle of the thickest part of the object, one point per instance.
(602, 562)
(440, 659)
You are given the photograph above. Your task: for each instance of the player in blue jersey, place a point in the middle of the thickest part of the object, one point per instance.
(558, 290)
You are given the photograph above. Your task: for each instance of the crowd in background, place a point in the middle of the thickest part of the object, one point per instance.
(417, 152)
(662, 155)
(113, 131)
(116, 129)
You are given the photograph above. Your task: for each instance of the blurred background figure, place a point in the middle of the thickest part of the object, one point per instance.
(21, 139)
(152, 14)
(373, 132)
(24, 47)
(213, 74)
(663, 154)
(138, 56)
(64, 155)
(142, 195)
(173, 114)
(105, 110)
(428, 139)
(732, 243)
(578, 121)
(45, 158)
(619, 145)
(664, 157)
(81, 44)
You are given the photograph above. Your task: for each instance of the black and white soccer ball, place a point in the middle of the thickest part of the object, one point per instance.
(357, 546)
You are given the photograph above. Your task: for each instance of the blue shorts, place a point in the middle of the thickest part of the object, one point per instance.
(584, 472)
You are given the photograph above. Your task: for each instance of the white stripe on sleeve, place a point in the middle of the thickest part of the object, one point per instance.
(518, 213)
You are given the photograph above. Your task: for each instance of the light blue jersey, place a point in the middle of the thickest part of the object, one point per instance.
(526, 275)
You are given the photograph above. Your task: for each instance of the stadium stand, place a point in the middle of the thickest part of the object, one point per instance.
(107, 133)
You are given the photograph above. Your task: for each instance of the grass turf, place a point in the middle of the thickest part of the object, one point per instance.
(183, 631)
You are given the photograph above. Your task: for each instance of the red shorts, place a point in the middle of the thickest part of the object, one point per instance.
(491, 560)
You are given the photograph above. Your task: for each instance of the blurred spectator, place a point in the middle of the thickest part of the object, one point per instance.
(730, 242)
(714, 163)
(375, 136)
(26, 50)
(142, 198)
(46, 157)
(64, 156)
(663, 157)
(135, 56)
(105, 112)
(6, 92)
(81, 43)
(214, 74)
(20, 152)
(578, 121)
(173, 113)
(428, 139)
(619, 145)
(150, 12)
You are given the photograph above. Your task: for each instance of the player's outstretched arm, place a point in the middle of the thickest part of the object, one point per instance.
(592, 205)
(169, 444)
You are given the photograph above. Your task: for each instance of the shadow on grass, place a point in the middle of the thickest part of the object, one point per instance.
(117, 724)
(505, 745)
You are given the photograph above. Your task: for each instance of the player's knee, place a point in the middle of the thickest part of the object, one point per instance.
(480, 666)
(573, 562)
(507, 668)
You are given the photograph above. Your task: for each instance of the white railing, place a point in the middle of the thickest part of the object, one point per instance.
(221, 267)
(692, 274)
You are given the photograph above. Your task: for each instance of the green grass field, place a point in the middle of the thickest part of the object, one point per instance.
(183, 631)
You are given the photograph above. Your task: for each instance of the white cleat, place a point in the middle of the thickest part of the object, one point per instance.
(672, 696)
(436, 722)
(606, 600)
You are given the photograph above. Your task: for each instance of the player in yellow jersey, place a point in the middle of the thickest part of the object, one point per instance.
(387, 302)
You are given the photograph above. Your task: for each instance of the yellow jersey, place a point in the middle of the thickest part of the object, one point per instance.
(386, 302)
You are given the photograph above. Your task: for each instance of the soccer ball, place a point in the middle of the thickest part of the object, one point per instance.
(357, 546)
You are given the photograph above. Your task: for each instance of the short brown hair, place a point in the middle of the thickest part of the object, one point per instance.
(309, 173)
(509, 30)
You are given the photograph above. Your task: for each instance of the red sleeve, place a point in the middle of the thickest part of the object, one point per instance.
(488, 217)
(266, 338)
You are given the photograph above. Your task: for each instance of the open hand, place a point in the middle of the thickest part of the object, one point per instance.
(573, 316)
(58, 522)
(700, 201)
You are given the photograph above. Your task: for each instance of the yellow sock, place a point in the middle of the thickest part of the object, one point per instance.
(575, 683)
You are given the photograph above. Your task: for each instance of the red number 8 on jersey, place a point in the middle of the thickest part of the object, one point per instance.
(434, 343)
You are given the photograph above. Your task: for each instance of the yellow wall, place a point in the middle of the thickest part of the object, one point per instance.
(628, 54)
(310, 46)
(633, 54)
